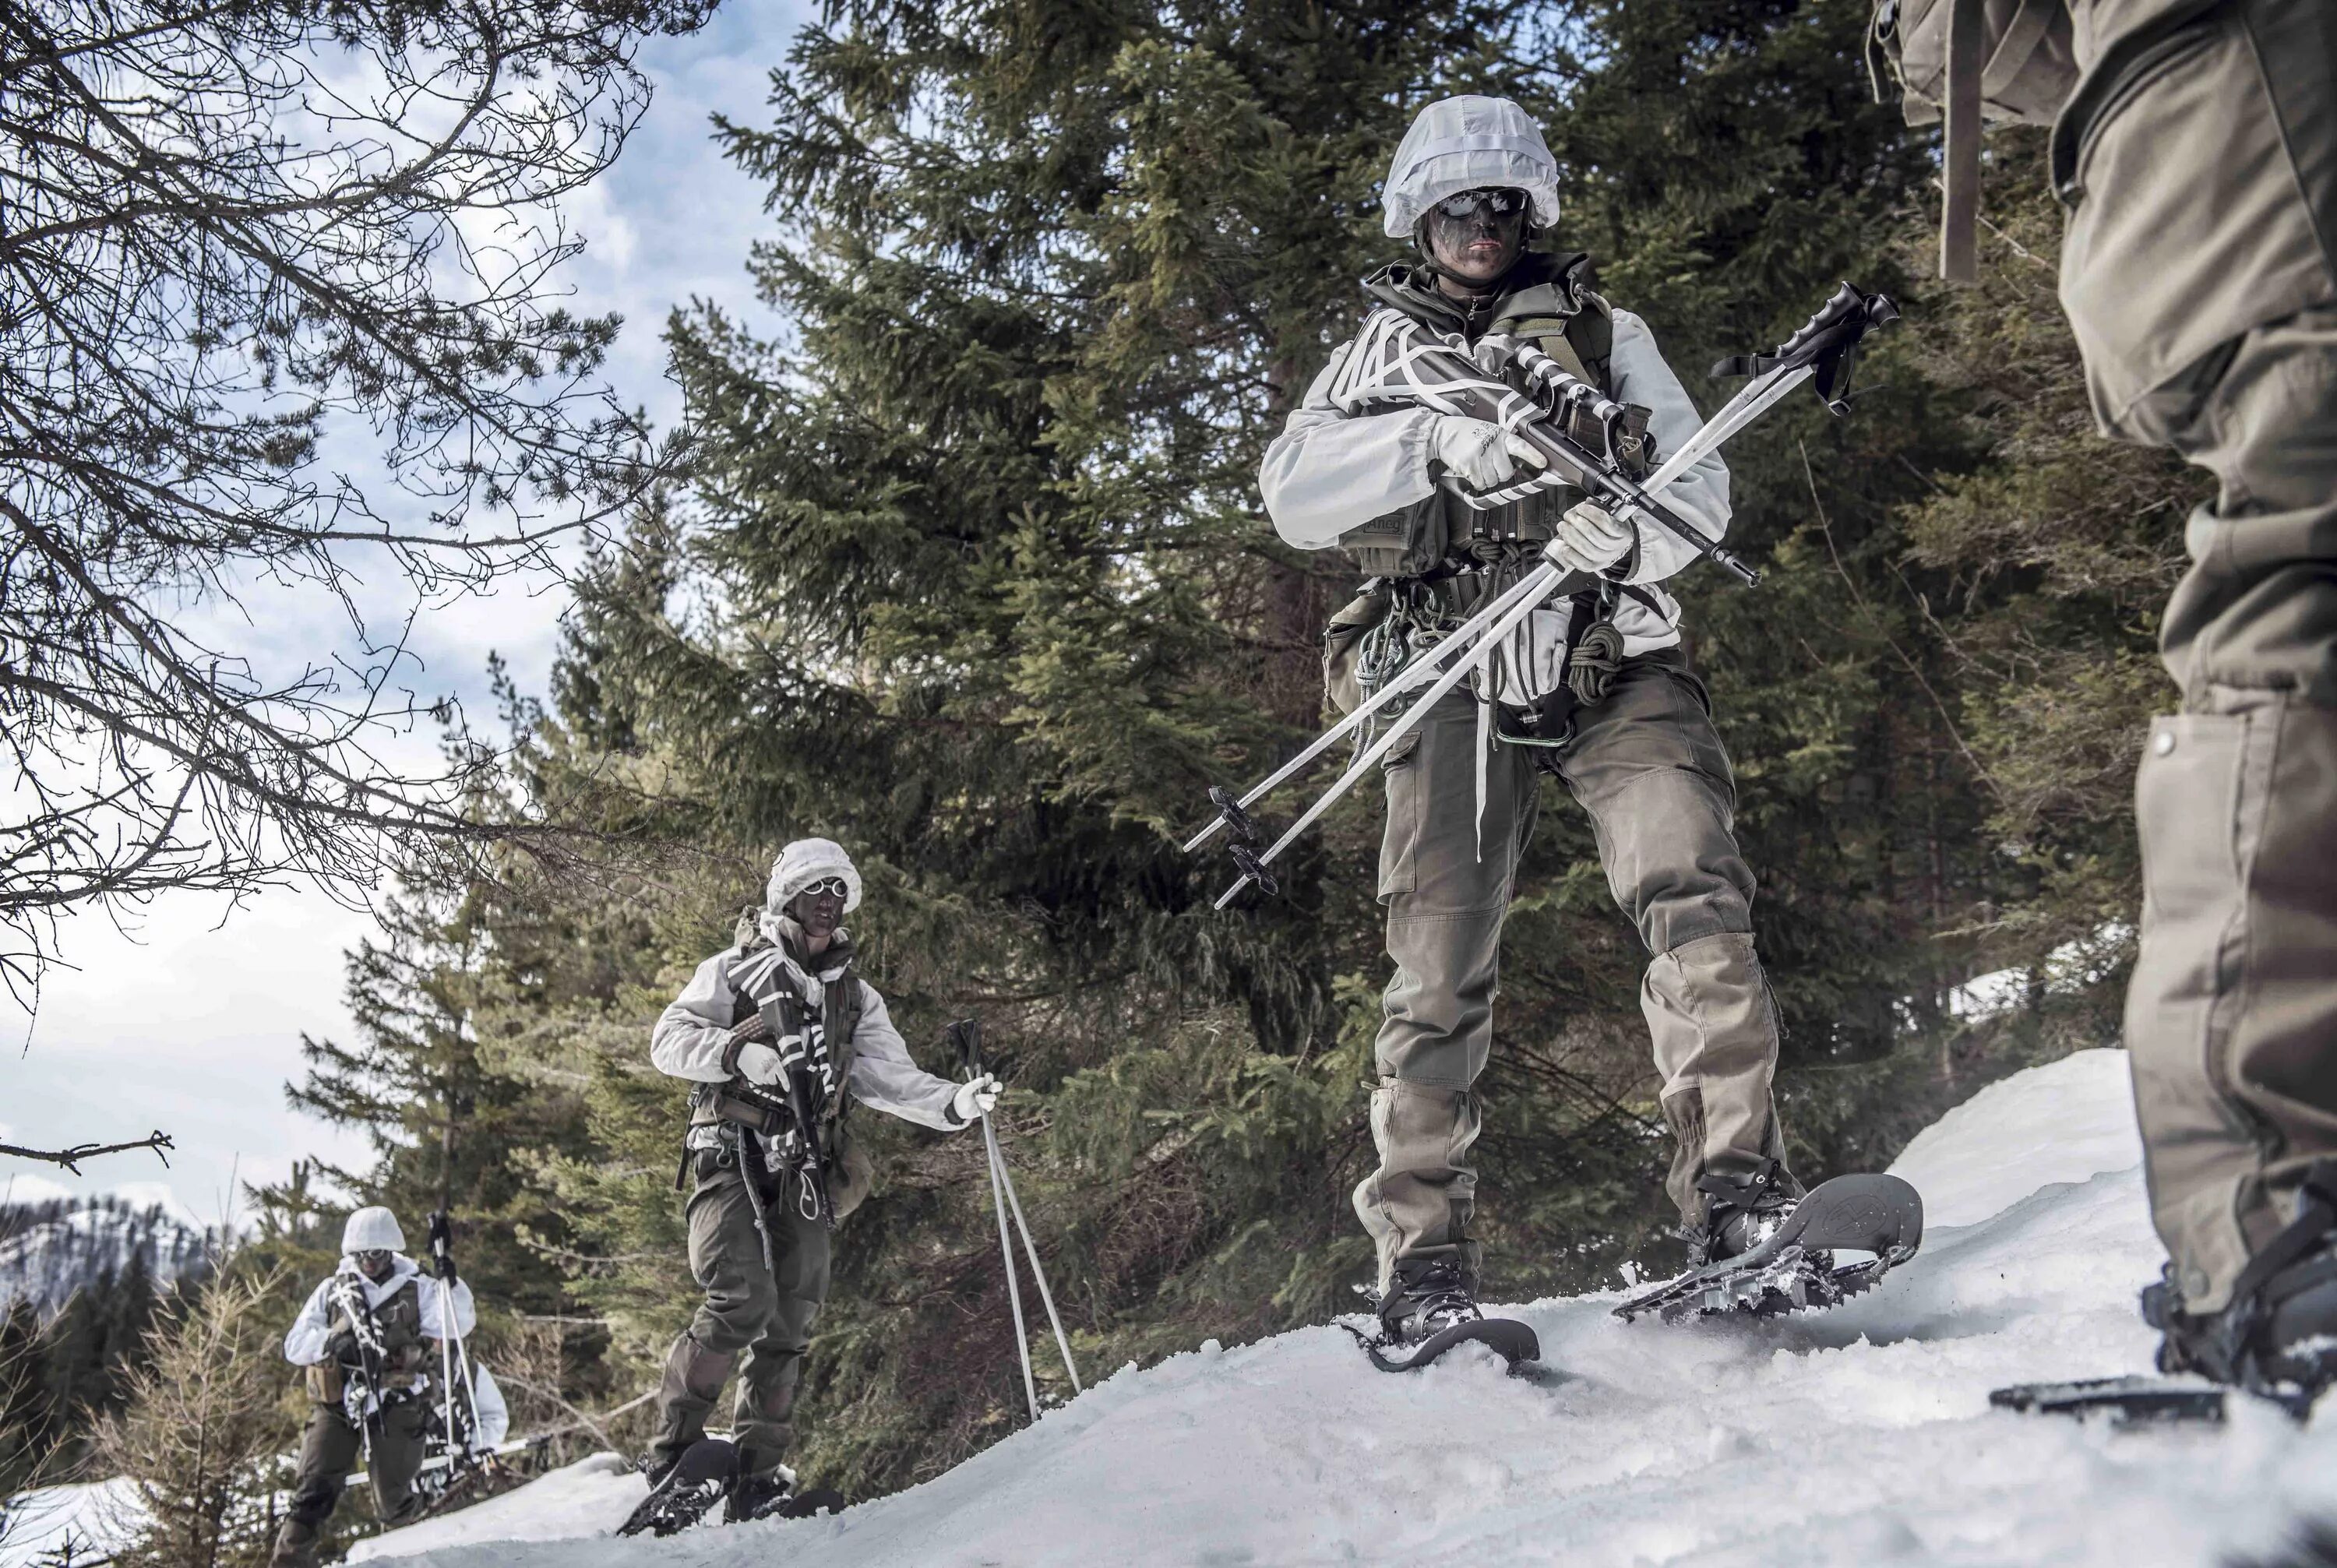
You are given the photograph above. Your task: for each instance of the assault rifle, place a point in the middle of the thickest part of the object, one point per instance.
(367, 1390)
(812, 1200)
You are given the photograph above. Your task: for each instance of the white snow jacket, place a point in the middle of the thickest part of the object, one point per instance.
(1330, 472)
(493, 1417)
(306, 1342)
(694, 1031)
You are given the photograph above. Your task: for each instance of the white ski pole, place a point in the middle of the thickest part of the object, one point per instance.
(966, 1035)
(1542, 578)
(1421, 668)
(1006, 1180)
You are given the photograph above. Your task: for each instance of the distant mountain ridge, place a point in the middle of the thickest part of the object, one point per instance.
(54, 1247)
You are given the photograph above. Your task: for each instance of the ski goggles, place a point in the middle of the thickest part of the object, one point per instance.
(372, 1257)
(1502, 201)
(829, 887)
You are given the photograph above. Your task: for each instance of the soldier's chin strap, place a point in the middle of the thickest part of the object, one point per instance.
(1827, 345)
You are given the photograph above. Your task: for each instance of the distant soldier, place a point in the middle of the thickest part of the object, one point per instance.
(2194, 147)
(365, 1336)
(780, 1034)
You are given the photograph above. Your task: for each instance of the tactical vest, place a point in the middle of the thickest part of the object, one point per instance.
(840, 1008)
(849, 1173)
(398, 1320)
(1574, 326)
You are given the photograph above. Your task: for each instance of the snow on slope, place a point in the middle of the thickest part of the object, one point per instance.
(1857, 1438)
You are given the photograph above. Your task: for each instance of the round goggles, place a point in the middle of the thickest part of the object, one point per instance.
(829, 887)
(1504, 203)
(371, 1257)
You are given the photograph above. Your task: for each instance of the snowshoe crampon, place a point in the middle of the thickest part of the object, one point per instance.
(1794, 1268)
(1507, 1337)
(687, 1492)
(2142, 1400)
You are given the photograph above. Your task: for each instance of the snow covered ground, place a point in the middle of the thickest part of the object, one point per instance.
(1862, 1436)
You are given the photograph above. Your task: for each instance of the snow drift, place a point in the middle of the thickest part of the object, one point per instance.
(1862, 1436)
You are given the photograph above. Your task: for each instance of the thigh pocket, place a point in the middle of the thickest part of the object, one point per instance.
(1400, 841)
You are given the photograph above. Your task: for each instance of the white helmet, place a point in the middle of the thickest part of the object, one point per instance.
(805, 862)
(1469, 143)
(373, 1229)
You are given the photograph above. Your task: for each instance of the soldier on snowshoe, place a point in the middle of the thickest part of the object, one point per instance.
(1471, 186)
(365, 1336)
(780, 1034)
(2195, 149)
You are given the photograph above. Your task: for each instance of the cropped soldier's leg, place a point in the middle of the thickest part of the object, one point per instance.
(726, 1254)
(397, 1459)
(1649, 769)
(773, 1368)
(328, 1452)
(1445, 902)
(2231, 1017)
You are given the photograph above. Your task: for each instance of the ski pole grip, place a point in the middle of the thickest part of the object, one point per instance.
(442, 1236)
(965, 1037)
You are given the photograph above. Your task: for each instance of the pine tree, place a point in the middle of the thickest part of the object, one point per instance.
(442, 1106)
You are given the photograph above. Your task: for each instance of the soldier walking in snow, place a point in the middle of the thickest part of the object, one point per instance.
(1471, 181)
(779, 1035)
(2194, 147)
(365, 1336)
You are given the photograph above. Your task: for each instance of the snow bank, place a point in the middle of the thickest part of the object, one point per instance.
(592, 1497)
(82, 1523)
(1857, 1438)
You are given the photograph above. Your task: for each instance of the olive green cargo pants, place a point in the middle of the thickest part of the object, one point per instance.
(2199, 275)
(747, 1309)
(1649, 769)
(332, 1447)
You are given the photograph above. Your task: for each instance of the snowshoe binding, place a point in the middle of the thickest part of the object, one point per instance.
(685, 1491)
(1430, 1308)
(772, 1494)
(2275, 1341)
(1764, 1253)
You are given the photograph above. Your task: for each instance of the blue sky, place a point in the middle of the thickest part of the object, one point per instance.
(191, 1020)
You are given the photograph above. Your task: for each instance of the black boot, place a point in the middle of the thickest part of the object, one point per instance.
(2281, 1326)
(1743, 1212)
(762, 1496)
(1426, 1294)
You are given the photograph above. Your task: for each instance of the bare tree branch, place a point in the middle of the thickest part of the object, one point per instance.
(71, 1157)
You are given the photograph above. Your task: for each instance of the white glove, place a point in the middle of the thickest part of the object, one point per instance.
(1589, 538)
(758, 1064)
(975, 1097)
(1481, 451)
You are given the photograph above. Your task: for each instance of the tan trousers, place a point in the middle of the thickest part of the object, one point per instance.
(1649, 768)
(746, 1309)
(2209, 206)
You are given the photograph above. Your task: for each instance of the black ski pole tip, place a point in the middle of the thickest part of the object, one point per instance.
(1238, 822)
(1253, 869)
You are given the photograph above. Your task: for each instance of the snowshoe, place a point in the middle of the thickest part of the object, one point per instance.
(2137, 1401)
(1787, 1264)
(1430, 1308)
(2275, 1341)
(772, 1495)
(686, 1492)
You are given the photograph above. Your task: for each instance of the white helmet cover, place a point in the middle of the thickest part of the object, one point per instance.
(373, 1229)
(805, 862)
(1469, 143)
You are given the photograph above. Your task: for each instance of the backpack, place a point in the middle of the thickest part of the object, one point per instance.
(1967, 62)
